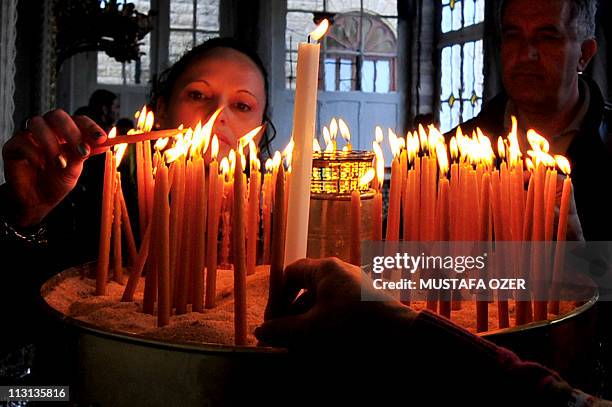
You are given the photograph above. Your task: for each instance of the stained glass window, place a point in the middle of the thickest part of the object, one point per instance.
(461, 61)
(359, 53)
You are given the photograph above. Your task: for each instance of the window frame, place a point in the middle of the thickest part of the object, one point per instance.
(357, 56)
(474, 32)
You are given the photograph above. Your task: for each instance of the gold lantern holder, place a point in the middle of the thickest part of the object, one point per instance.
(334, 176)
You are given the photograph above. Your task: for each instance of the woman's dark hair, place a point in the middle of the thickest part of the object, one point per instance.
(162, 88)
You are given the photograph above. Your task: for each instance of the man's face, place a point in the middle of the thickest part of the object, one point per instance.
(540, 54)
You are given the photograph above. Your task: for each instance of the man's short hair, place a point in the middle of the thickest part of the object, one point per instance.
(582, 12)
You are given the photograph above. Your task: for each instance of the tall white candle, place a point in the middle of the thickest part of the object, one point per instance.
(304, 117)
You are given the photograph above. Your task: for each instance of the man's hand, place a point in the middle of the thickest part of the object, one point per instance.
(43, 163)
(330, 310)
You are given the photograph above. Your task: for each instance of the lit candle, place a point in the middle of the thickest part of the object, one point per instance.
(275, 293)
(253, 212)
(559, 266)
(116, 239)
(105, 224)
(213, 224)
(238, 240)
(177, 202)
(162, 223)
(394, 201)
(482, 305)
(267, 211)
(304, 119)
(200, 235)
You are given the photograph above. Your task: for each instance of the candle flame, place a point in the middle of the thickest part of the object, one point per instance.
(242, 161)
(380, 163)
(224, 166)
(288, 152)
(214, 148)
(276, 159)
(161, 143)
(423, 137)
(333, 129)
(501, 148)
(537, 142)
(442, 155)
(201, 139)
(141, 116)
(454, 149)
(112, 133)
(247, 138)
(379, 134)
(320, 31)
(393, 143)
(563, 164)
(150, 120)
(232, 160)
(344, 130)
(367, 177)
(119, 152)
(316, 147)
(529, 164)
(252, 153)
(269, 165)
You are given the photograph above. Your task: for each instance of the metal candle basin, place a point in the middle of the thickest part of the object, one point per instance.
(117, 369)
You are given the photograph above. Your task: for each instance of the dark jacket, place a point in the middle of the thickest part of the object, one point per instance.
(590, 155)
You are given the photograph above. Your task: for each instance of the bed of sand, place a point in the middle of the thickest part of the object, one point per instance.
(74, 297)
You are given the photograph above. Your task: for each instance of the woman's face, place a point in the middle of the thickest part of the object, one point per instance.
(224, 77)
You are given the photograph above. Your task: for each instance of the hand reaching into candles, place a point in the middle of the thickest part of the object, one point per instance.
(345, 339)
(330, 311)
(43, 163)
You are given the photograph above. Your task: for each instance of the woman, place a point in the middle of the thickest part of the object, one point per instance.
(43, 163)
(50, 213)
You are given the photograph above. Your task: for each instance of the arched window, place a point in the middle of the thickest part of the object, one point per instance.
(359, 53)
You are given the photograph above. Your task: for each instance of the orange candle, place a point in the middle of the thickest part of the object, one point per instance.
(140, 183)
(551, 194)
(275, 293)
(162, 223)
(238, 240)
(127, 230)
(416, 201)
(183, 257)
(559, 266)
(506, 207)
(355, 252)
(482, 305)
(538, 236)
(267, 216)
(212, 233)
(116, 238)
(444, 235)
(377, 220)
(424, 199)
(394, 201)
(177, 216)
(253, 219)
(407, 205)
(200, 235)
(105, 224)
(130, 288)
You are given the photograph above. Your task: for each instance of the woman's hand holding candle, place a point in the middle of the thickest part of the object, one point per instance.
(43, 163)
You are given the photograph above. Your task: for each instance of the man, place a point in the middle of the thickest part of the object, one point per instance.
(545, 46)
